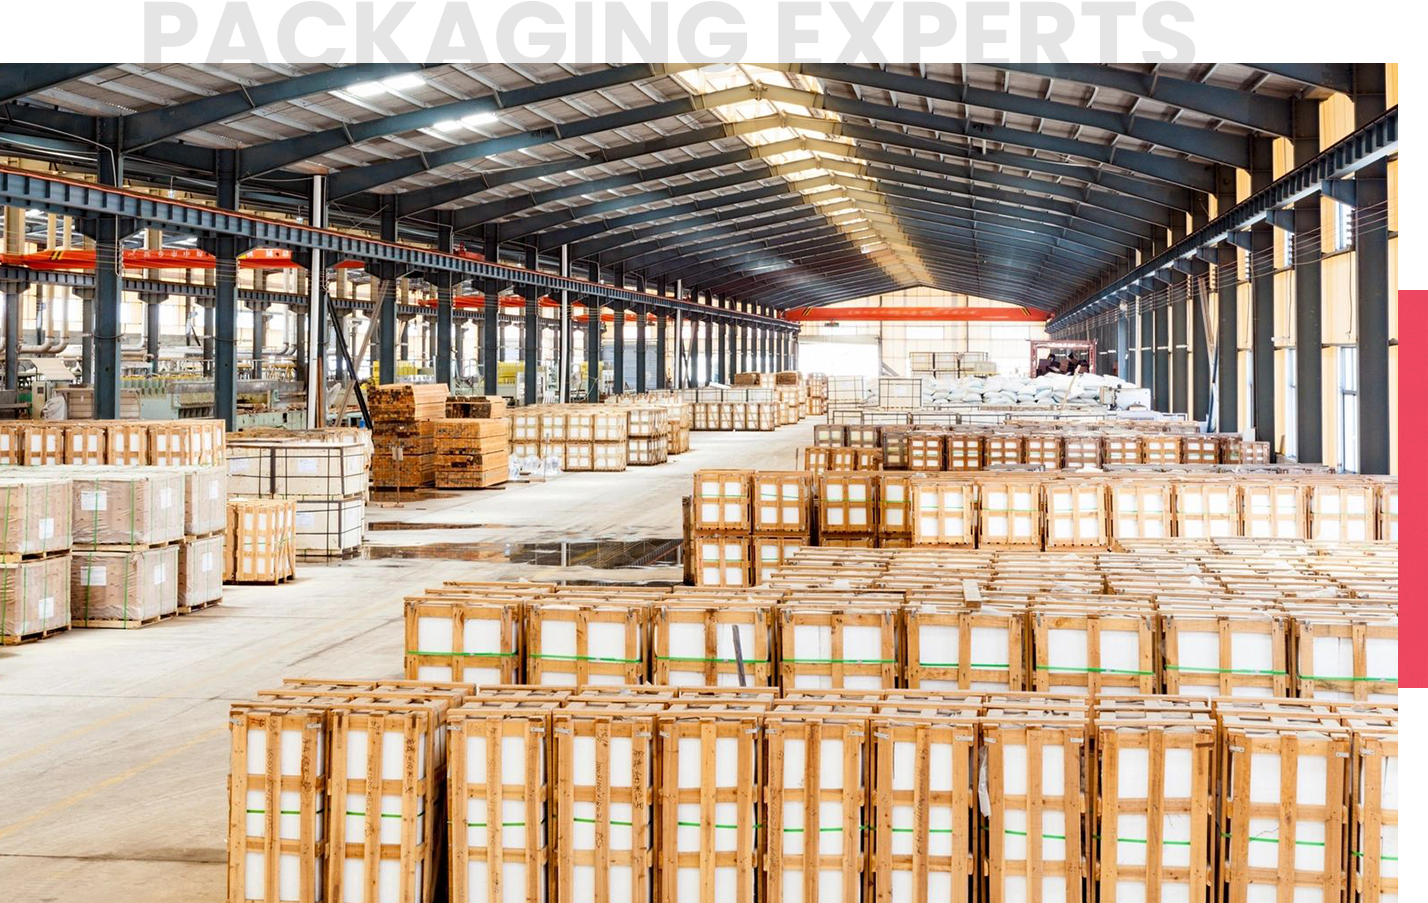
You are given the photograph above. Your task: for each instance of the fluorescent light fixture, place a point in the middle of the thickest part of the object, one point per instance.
(367, 89)
(403, 82)
(479, 119)
(448, 125)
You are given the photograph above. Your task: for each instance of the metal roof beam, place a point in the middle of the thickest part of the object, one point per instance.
(1207, 144)
(622, 237)
(640, 254)
(19, 80)
(1330, 76)
(1262, 113)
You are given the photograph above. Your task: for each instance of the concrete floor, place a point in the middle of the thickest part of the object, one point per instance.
(114, 744)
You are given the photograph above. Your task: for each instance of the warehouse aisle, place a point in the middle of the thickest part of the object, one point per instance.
(115, 790)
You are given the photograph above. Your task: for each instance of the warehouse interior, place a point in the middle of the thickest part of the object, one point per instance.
(574, 324)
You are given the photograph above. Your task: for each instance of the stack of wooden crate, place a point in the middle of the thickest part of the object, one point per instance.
(261, 542)
(782, 518)
(34, 558)
(720, 521)
(472, 453)
(404, 419)
(649, 434)
(325, 472)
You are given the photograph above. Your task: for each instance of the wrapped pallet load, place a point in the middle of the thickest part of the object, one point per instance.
(34, 576)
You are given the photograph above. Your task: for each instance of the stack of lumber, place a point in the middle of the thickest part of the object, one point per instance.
(754, 379)
(261, 542)
(325, 472)
(706, 793)
(404, 419)
(472, 453)
(478, 407)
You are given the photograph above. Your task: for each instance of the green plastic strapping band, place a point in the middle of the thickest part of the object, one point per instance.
(1360, 853)
(1300, 843)
(841, 661)
(1222, 670)
(929, 830)
(591, 821)
(504, 824)
(957, 665)
(1169, 843)
(380, 814)
(686, 658)
(584, 658)
(1043, 837)
(1089, 670)
(464, 654)
(1373, 680)
(280, 812)
(826, 830)
(695, 824)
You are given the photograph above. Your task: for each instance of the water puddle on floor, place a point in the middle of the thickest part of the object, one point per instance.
(410, 495)
(381, 526)
(599, 553)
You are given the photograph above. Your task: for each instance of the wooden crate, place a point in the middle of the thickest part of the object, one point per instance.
(1344, 657)
(896, 448)
(1005, 448)
(721, 501)
(768, 552)
(1091, 647)
(711, 780)
(86, 443)
(1283, 807)
(278, 841)
(1044, 450)
(926, 450)
(1207, 509)
(42, 444)
(1154, 806)
(847, 504)
(605, 821)
(1080, 450)
(1160, 449)
(498, 800)
(964, 451)
(1122, 448)
(1210, 652)
(924, 774)
(1388, 510)
(474, 642)
(1204, 449)
(721, 559)
(944, 513)
(1342, 509)
(1373, 833)
(852, 647)
(1141, 508)
(726, 643)
(830, 434)
(957, 648)
(894, 508)
(781, 502)
(1009, 512)
(869, 437)
(853, 459)
(816, 779)
(260, 543)
(1273, 507)
(1076, 515)
(574, 643)
(814, 458)
(1037, 769)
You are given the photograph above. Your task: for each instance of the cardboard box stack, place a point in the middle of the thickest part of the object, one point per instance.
(128, 524)
(404, 419)
(34, 558)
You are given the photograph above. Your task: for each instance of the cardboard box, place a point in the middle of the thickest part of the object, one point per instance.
(127, 589)
(200, 572)
(37, 514)
(34, 598)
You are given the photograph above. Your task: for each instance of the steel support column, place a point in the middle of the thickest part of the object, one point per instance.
(642, 361)
(1227, 342)
(1179, 346)
(109, 281)
(661, 344)
(531, 352)
(1161, 393)
(1372, 326)
(260, 336)
(592, 338)
(1308, 297)
(617, 339)
(386, 308)
(490, 320)
(1123, 352)
(312, 325)
(445, 310)
(1199, 348)
(151, 327)
(12, 292)
(723, 328)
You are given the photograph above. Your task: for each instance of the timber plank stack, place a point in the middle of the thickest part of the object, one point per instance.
(404, 419)
(472, 453)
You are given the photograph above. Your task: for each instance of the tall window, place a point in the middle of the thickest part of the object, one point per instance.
(1349, 409)
(1343, 226)
(1291, 404)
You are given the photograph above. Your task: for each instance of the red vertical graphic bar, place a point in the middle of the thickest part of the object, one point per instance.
(1413, 485)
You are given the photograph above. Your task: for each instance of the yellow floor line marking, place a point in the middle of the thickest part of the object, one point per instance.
(148, 704)
(109, 782)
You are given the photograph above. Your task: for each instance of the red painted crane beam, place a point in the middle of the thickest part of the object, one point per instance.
(918, 314)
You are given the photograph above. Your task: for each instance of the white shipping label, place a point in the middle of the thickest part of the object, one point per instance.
(166, 496)
(47, 527)
(213, 490)
(205, 562)
(93, 500)
(239, 465)
(306, 519)
(91, 575)
(161, 574)
(307, 465)
(46, 607)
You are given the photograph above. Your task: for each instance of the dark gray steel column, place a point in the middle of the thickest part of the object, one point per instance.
(1199, 350)
(1371, 271)
(592, 338)
(300, 355)
(661, 341)
(532, 331)
(151, 327)
(724, 348)
(1308, 298)
(1125, 369)
(260, 336)
(1161, 318)
(445, 307)
(617, 336)
(1179, 346)
(386, 307)
(1146, 367)
(108, 280)
(12, 292)
(642, 358)
(490, 318)
(1227, 339)
(1261, 274)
